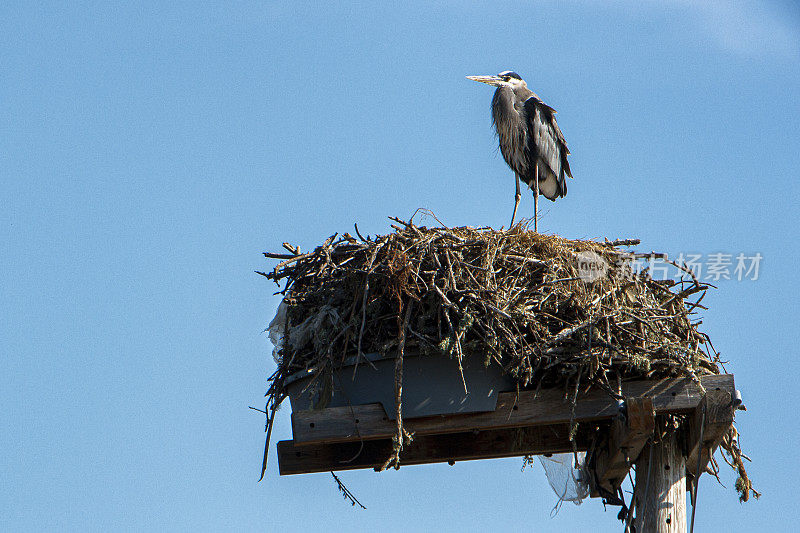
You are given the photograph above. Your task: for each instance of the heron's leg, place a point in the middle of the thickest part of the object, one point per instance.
(516, 201)
(536, 201)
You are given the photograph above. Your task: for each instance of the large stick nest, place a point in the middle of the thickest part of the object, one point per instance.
(521, 299)
(517, 297)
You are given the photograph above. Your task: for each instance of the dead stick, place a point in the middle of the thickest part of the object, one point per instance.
(398, 393)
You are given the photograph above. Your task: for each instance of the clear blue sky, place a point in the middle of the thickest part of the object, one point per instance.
(149, 154)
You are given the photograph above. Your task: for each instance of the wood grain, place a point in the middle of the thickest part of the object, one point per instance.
(621, 446)
(718, 419)
(451, 447)
(661, 499)
(368, 422)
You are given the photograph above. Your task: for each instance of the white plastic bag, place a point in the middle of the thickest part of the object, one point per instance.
(276, 330)
(316, 329)
(569, 482)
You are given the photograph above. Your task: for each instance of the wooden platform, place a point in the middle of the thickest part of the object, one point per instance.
(346, 438)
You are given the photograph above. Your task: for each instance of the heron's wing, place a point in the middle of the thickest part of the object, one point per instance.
(547, 143)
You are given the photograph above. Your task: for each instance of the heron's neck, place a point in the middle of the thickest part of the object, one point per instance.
(509, 125)
(503, 106)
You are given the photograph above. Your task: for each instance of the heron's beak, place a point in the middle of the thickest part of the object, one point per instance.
(489, 80)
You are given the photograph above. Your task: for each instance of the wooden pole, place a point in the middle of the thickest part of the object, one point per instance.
(661, 496)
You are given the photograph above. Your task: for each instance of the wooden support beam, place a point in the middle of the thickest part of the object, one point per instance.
(622, 445)
(293, 459)
(661, 488)
(718, 418)
(367, 422)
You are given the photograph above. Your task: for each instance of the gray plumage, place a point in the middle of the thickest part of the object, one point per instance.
(528, 134)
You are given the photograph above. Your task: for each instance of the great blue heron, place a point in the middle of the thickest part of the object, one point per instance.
(530, 140)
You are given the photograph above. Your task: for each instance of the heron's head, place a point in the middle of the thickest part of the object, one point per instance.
(509, 79)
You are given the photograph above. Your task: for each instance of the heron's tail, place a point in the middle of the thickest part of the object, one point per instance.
(551, 187)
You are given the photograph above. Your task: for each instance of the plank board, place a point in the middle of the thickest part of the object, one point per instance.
(293, 459)
(368, 422)
(621, 446)
(718, 419)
